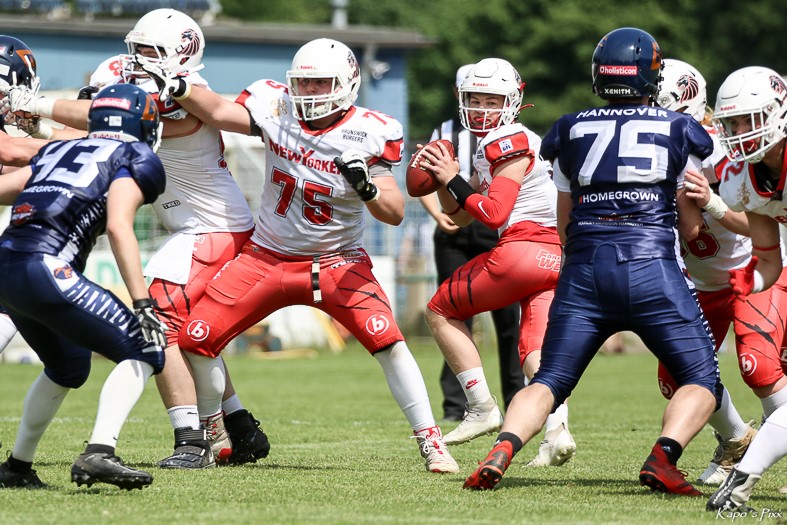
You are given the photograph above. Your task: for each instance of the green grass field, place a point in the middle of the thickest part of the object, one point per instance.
(341, 454)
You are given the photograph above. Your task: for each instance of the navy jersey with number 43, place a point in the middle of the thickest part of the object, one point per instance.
(62, 209)
(623, 164)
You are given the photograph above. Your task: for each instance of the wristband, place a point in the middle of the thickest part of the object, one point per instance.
(44, 132)
(759, 282)
(45, 107)
(370, 193)
(452, 213)
(716, 207)
(142, 303)
(183, 91)
(459, 189)
(767, 248)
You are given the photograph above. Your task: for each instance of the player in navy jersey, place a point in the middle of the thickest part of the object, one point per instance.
(619, 171)
(72, 192)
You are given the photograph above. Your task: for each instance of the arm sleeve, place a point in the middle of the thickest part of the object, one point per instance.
(493, 209)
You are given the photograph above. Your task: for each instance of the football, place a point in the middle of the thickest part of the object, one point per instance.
(420, 181)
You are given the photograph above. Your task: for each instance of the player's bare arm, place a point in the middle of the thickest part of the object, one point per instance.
(12, 184)
(389, 208)
(17, 151)
(689, 216)
(766, 244)
(214, 110)
(122, 202)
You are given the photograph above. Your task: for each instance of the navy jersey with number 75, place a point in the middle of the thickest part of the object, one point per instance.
(623, 164)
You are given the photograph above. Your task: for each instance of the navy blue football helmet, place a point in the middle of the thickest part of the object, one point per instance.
(17, 63)
(626, 64)
(124, 112)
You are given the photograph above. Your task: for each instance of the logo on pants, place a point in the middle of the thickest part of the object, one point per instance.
(377, 324)
(198, 330)
(748, 364)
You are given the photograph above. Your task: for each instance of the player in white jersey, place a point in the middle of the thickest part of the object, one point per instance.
(511, 190)
(723, 245)
(751, 120)
(207, 216)
(327, 163)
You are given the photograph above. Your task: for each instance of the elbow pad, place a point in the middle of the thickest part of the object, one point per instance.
(494, 208)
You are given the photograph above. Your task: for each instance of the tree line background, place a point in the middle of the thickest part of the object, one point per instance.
(550, 42)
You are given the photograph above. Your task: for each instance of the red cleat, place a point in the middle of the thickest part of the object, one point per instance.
(661, 475)
(491, 470)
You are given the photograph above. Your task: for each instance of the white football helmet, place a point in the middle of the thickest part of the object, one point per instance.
(175, 36)
(682, 89)
(493, 76)
(324, 58)
(759, 94)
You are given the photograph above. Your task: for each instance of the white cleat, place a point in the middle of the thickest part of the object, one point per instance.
(557, 447)
(480, 420)
(435, 454)
(727, 455)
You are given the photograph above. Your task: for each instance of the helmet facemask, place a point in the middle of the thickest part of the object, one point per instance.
(767, 128)
(491, 76)
(313, 107)
(757, 96)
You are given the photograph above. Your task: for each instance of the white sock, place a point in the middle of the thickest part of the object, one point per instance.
(557, 418)
(407, 385)
(231, 404)
(727, 421)
(184, 416)
(768, 446)
(210, 381)
(475, 386)
(42, 401)
(7, 332)
(120, 393)
(773, 401)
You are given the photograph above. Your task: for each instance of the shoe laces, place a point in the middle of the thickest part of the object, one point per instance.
(430, 442)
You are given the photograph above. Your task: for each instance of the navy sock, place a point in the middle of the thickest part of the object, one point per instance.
(18, 466)
(671, 448)
(99, 449)
(516, 443)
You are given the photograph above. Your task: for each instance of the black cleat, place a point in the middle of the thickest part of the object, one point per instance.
(95, 467)
(26, 480)
(192, 450)
(249, 442)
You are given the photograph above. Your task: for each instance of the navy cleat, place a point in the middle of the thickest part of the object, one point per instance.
(192, 450)
(97, 467)
(27, 480)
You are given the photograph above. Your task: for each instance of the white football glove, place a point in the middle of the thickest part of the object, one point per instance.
(26, 103)
(169, 84)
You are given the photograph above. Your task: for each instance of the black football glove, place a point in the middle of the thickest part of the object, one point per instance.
(152, 327)
(353, 168)
(87, 92)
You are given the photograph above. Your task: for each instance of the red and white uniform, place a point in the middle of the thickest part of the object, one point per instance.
(202, 207)
(308, 234)
(311, 208)
(525, 264)
(758, 327)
